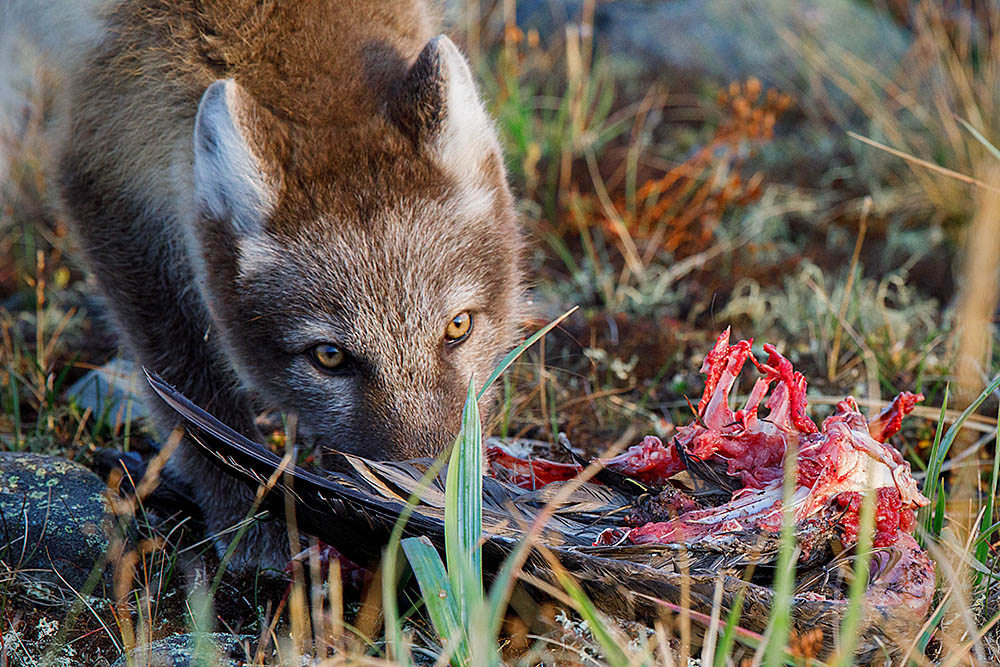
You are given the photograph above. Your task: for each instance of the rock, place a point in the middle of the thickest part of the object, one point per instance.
(54, 518)
(112, 391)
(722, 40)
(180, 651)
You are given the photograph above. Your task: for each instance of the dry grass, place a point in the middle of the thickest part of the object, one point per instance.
(661, 254)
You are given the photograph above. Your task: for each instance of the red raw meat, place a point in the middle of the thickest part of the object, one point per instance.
(650, 462)
(528, 473)
(835, 464)
(752, 448)
(889, 420)
(890, 517)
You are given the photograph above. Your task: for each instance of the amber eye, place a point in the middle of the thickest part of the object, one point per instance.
(459, 327)
(327, 356)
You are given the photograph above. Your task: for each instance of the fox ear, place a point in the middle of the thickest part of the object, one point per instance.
(232, 181)
(437, 105)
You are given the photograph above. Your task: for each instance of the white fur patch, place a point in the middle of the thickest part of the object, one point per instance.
(258, 254)
(474, 202)
(467, 135)
(229, 179)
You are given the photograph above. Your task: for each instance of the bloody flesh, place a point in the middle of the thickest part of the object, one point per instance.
(528, 473)
(836, 463)
(650, 462)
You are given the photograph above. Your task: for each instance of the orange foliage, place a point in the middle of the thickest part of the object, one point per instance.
(680, 210)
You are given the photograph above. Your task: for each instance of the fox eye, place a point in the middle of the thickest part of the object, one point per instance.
(459, 327)
(327, 356)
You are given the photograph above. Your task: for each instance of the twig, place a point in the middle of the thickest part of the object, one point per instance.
(924, 163)
(831, 369)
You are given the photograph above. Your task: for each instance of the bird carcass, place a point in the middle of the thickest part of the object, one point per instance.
(744, 455)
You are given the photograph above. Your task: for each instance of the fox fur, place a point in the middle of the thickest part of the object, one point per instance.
(249, 179)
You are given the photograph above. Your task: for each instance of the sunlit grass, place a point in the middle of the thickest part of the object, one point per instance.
(621, 244)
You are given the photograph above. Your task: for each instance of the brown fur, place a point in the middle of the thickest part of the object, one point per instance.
(370, 243)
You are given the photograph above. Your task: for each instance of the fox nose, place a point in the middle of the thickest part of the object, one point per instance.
(415, 438)
(416, 425)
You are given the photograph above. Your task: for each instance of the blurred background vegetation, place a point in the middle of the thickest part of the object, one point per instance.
(820, 175)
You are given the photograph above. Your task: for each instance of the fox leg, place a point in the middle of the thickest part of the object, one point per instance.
(149, 287)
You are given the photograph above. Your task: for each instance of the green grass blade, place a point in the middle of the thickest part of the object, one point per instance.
(931, 478)
(467, 572)
(519, 350)
(784, 579)
(390, 567)
(986, 534)
(982, 547)
(933, 514)
(463, 511)
(937, 523)
(613, 653)
(437, 593)
(725, 646)
(928, 634)
(940, 451)
(859, 584)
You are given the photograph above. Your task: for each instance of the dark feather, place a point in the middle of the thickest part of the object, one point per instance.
(709, 478)
(612, 478)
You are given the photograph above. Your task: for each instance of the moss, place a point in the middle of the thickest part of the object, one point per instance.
(55, 518)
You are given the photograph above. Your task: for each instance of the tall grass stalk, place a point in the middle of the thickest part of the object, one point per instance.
(854, 615)
(729, 633)
(780, 620)
(464, 511)
(461, 615)
(932, 515)
(986, 525)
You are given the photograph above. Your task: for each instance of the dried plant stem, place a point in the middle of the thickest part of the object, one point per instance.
(924, 163)
(831, 369)
(977, 303)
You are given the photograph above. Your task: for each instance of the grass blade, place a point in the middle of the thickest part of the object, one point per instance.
(940, 453)
(931, 480)
(390, 568)
(463, 505)
(463, 511)
(985, 523)
(519, 350)
(613, 653)
(928, 633)
(729, 632)
(979, 137)
(859, 583)
(937, 525)
(784, 578)
(437, 593)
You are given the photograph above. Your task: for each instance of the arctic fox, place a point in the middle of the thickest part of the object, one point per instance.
(296, 206)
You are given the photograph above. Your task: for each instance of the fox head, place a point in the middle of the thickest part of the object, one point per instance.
(360, 275)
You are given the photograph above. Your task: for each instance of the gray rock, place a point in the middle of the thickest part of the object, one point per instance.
(726, 40)
(112, 392)
(191, 650)
(54, 525)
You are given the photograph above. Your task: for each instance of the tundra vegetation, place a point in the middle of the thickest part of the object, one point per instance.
(840, 203)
